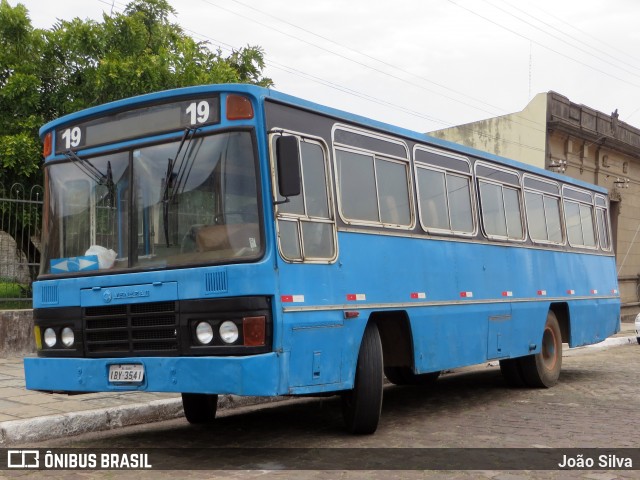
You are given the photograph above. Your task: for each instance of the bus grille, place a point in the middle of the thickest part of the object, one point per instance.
(141, 328)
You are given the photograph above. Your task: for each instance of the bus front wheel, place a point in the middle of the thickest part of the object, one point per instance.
(361, 406)
(543, 368)
(199, 407)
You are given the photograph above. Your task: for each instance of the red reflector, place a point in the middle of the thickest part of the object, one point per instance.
(351, 314)
(254, 331)
(239, 107)
(46, 151)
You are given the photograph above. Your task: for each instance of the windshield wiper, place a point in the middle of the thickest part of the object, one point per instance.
(170, 179)
(95, 174)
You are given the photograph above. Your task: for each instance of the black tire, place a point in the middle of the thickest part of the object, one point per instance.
(510, 369)
(638, 339)
(199, 407)
(403, 375)
(361, 406)
(543, 369)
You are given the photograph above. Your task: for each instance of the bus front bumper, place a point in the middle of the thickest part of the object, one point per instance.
(256, 375)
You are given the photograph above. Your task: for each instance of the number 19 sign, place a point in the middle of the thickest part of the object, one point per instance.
(140, 122)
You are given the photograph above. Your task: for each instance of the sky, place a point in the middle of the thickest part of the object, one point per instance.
(419, 64)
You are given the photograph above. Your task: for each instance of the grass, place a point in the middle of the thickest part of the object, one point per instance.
(14, 295)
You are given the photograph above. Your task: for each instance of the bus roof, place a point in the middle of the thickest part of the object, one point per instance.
(265, 93)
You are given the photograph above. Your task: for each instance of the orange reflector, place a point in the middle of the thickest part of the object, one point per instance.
(239, 107)
(46, 151)
(254, 331)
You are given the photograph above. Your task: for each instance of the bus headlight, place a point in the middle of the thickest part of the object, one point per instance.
(204, 333)
(67, 337)
(229, 332)
(50, 338)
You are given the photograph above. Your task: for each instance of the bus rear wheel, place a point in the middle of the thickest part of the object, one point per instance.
(403, 375)
(199, 407)
(543, 368)
(361, 406)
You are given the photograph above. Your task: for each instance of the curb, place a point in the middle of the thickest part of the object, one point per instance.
(49, 427)
(613, 341)
(39, 429)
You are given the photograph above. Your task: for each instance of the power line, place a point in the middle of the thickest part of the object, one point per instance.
(335, 86)
(577, 47)
(544, 46)
(532, 124)
(587, 34)
(342, 45)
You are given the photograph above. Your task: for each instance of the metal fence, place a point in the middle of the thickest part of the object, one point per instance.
(20, 223)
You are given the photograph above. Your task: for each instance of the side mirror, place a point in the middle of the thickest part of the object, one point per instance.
(288, 165)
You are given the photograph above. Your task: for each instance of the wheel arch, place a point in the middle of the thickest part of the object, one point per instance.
(561, 311)
(396, 337)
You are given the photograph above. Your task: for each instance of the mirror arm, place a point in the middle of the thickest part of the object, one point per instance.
(280, 202)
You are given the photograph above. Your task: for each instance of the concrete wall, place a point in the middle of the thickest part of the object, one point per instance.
(16, 332)
(520, 136)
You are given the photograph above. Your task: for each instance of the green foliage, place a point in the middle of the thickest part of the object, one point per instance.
(81, 63)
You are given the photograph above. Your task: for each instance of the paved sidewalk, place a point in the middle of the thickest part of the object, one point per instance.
(28, 416)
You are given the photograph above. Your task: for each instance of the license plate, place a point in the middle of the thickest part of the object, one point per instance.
(126, 373)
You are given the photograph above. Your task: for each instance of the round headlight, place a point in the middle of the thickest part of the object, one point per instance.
(228, 332)
(50, 337)
(67, 337)
(204, 333)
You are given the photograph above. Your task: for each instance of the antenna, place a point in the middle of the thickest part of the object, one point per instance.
(530, 66)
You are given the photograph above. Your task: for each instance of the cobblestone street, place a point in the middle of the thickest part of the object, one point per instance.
(595, 405)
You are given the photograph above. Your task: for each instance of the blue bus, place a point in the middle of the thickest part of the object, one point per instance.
(231, 239)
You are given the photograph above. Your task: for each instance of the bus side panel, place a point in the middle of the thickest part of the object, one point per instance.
(316, 342)
(593, 321)
(449, 336)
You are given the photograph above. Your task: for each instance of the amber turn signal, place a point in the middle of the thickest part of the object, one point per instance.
(239, 107)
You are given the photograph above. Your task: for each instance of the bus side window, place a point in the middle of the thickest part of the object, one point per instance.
(444, 192)
(500, 202)
(578, 212)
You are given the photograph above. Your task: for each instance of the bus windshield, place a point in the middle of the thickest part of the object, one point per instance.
(193, 201)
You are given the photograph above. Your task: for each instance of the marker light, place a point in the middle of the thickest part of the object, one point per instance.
(36, 333)
(46, 151)
(50, 337)
(229, 332)
(67, 337)
(239, 107)
(253, 331)
(204, 333)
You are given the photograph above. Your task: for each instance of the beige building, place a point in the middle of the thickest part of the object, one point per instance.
(556, 134)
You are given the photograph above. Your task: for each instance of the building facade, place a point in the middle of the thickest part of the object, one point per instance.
(556, 134)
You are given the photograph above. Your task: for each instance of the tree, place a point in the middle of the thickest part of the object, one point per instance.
(45, 74)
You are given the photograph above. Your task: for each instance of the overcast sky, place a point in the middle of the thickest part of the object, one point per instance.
(420, 64)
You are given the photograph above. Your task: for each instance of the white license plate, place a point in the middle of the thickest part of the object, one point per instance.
(126, 373)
